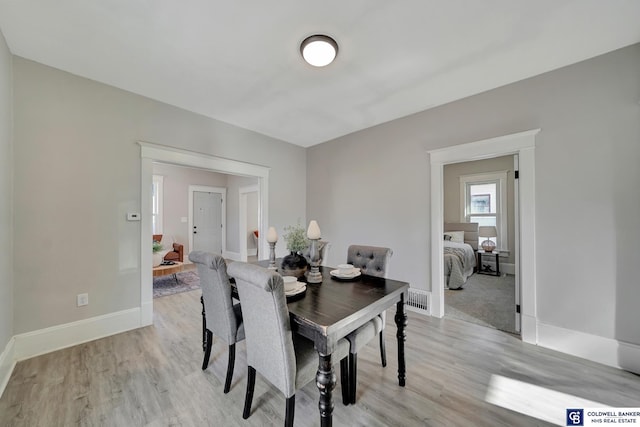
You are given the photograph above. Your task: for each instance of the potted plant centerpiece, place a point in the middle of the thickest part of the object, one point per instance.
(158, 253)
(295, 264)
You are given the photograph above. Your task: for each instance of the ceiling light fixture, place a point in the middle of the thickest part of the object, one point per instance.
(319, 50)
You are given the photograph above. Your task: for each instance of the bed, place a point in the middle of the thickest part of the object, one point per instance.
(460, 246)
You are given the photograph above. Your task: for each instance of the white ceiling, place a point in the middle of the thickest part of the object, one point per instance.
(239, 61)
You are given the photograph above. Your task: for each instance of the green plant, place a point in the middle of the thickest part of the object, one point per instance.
(157, 247)
(296, 238)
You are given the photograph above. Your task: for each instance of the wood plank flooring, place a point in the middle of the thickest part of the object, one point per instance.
(152, 377)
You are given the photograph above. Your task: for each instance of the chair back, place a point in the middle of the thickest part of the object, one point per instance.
(221, 317)
(371, 260)
(267, 326)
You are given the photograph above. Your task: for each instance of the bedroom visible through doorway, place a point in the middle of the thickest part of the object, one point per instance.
(522, 144)
(483, 192)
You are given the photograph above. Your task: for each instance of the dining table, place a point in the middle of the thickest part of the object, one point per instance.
(328, 311)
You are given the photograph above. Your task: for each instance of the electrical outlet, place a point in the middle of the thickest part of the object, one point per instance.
(82, 299)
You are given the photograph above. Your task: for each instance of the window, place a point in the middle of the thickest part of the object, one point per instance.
(156, 208)
(485, 202)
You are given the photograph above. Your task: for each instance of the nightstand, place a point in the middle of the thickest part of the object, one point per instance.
(486, 269)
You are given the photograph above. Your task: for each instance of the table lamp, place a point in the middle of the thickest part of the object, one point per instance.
(487, 231)
(313, 234)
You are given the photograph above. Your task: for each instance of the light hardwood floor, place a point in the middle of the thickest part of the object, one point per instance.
(152, 377)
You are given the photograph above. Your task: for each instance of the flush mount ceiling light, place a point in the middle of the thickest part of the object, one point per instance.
(319, 50)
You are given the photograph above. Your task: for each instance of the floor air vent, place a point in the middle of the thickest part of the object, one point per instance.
(418, 301)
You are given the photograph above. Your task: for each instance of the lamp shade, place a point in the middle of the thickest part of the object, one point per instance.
(313, 232)
(487, 231)
(272, 236)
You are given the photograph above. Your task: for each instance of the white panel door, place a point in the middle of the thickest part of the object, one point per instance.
(207, 222)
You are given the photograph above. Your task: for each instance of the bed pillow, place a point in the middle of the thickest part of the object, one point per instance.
(456, 236)
(447, 236)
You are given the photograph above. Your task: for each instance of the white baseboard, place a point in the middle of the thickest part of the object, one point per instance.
(606, 351)
(507, 268)
(528, 329)
(235, 256)
(7, 363)
(629, 356)
(598, 349)
(146, 314)
(46, 340)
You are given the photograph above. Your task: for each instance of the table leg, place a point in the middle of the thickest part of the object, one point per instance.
(326, 382)
(204, 326)
(401, 322)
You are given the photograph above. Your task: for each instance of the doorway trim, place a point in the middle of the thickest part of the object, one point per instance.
(223, 207)
(522, 144)
(150, 152)
(242, 219)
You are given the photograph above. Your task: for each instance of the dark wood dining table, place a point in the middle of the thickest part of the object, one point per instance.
(330, 310)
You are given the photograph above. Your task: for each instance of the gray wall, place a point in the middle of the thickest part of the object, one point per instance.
(451, 203)
(77, 174)
(6, 197)
(373, 187)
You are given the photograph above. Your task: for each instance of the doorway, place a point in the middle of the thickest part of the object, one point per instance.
(149, 153)
(522, 144)
(249, 214)
(483, 192)
(207, 219)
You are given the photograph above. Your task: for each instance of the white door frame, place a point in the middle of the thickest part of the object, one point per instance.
(242, 220)
(149, 153)
(516, 241)
(522, 144)
(205, 189)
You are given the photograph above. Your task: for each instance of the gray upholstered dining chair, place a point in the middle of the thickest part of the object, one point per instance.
(286, 360)
(373, 261)
(222, 317)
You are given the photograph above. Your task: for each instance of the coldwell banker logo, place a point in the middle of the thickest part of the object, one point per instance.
(575, 417)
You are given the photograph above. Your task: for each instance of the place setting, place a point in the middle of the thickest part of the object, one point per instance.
(345, 272)
(293, 289)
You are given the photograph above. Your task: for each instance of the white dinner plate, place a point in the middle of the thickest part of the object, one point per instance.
(336, 274)
(301, 287)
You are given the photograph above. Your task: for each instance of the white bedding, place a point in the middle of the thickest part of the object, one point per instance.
(459, 261)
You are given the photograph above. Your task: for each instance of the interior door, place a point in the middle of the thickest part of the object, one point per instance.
(207, 222)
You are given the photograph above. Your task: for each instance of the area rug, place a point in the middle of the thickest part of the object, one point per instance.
(168, 285)
(484, 300)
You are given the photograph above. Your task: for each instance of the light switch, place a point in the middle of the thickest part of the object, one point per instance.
(183, 219)
(133, 216)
